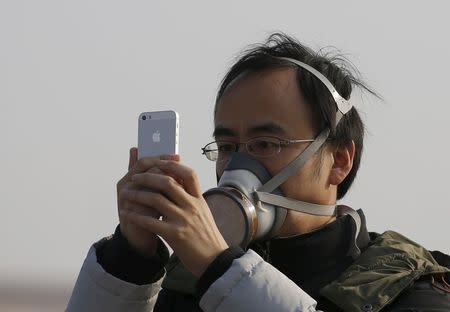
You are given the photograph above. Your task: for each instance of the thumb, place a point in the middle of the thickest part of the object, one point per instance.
(133, 158)
(174, 157)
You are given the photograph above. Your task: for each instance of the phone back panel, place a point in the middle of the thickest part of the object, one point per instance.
(157, 134)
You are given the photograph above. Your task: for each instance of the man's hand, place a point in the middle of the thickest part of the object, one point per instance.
(187, 223)
(143, 241)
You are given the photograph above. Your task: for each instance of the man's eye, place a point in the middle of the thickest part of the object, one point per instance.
(263, 147)
(263, 144)
(225, 147)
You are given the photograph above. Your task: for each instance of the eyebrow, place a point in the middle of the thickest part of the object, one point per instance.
(222, 131)
(267, 127)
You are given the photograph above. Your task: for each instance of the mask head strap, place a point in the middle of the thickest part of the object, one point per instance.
(343, 106)
(263, 194)
(297, 163)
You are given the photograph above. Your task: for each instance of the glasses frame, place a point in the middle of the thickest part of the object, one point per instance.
(281, 143)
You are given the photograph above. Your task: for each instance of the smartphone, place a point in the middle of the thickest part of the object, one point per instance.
(158, 133)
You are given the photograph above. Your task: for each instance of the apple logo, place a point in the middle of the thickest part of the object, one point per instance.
(156, 136)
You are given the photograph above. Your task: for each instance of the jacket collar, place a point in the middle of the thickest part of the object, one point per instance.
(317, 258)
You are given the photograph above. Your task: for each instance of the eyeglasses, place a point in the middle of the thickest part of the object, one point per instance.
(260, 147)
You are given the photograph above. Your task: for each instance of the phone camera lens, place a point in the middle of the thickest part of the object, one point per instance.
(144, 117)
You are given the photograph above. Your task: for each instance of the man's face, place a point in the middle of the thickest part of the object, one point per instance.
(270, 104)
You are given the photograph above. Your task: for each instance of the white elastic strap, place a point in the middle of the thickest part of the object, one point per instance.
(343, 105)
(345, 210)
(297, 205)
(296, 164)
(339, 116)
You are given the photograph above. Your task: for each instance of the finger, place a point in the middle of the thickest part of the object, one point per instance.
(126, 182)
(164, 184)
(158, 171)
(133, 158)
(147, 163)
(185, 174)
(143, 164)
(174, 157)
(152, 201)
(141, 209)
(147, 223)
(137, 166)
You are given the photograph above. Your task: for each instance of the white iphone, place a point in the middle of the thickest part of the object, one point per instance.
(158, 133)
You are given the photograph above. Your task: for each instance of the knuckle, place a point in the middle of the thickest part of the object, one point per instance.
(170, 182)
(171, 164)
(193, 175)
(179, 233)
(140, 162)
(122, 182)
(129, 194)
(158, 198)
(122, 193)
(123, 207)
(154, 170)
(139, 179)
(146, 162)
(121, 186)
(150, 174)
(140, 165)
(124, 216)
(190, 172)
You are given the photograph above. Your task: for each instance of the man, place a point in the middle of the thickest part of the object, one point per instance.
(293, 120)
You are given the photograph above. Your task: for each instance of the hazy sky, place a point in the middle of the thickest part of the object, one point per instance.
(74, 76)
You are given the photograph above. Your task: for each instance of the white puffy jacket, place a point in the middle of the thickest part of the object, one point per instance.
(250, 284)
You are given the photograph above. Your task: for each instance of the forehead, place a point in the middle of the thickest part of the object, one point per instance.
(271, 96)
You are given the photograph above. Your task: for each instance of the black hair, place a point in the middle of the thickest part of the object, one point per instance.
(340, 72)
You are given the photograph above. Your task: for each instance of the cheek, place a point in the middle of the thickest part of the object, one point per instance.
(296, 183)
(303, 184)
(220, 166)
(273, 166)
(277, 164)
(218, 173)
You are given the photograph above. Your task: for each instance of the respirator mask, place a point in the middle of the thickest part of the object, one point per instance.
(248, 205)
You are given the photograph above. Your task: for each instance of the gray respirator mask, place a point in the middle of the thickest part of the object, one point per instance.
(248, 205)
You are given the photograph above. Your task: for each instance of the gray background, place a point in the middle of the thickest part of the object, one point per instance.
(74, 75)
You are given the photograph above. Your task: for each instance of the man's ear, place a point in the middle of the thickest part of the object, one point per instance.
(342, 163)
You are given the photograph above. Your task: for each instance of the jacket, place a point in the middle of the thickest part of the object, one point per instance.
(392, 274)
